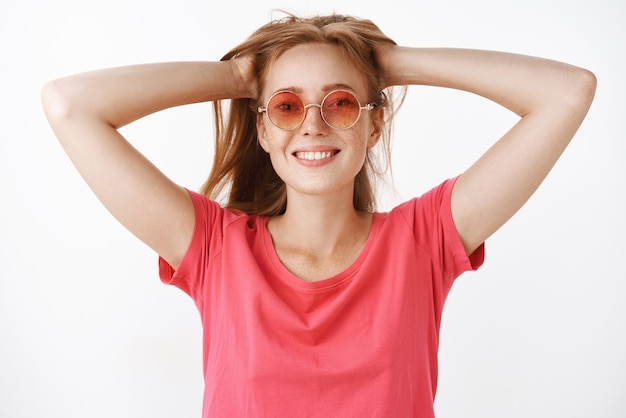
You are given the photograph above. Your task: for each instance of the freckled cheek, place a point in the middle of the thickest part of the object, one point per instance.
(358, 140)
(275, 139)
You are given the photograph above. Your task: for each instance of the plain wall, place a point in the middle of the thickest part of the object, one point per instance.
(87, 329)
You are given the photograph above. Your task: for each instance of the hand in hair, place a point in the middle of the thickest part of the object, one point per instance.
(383, 54)
(245, 74)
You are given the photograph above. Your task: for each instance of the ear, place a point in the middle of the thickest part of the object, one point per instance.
(261, 134)
(376, 127)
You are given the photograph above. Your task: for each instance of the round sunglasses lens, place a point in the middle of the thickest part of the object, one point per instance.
(341, 109)
(285, 110)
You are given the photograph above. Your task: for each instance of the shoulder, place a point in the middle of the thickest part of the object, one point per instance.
(432, 204)
(428, 218)
(212, 213)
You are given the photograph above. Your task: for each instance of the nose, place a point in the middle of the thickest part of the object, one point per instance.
(313, 123)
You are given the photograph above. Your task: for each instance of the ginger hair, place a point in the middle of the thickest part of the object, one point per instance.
(242, 176)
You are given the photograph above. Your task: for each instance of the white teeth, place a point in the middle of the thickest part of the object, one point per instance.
(312, 156)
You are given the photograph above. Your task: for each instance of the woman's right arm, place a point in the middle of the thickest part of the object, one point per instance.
(86, 111)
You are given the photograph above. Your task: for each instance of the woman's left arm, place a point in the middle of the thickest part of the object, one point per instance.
(551, 98)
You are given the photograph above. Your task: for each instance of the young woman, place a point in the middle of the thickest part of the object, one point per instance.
(312, 303)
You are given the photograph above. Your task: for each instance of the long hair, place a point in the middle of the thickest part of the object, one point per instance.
(242, 172)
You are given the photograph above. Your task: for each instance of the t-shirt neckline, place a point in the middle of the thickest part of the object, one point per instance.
(290, 279)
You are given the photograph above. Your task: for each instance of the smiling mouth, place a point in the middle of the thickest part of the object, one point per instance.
(314, 155)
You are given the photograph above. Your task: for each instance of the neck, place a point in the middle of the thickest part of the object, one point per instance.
(320, 223)
(319, 236)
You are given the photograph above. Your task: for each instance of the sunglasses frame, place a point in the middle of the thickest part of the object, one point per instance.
(263, 109)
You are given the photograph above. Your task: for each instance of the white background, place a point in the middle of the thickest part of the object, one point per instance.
(87, 329)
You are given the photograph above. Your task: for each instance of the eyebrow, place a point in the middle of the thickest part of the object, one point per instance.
(325, 88)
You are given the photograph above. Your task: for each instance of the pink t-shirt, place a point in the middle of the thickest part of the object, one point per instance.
(361, 343)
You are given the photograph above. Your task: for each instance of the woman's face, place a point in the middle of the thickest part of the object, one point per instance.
(315, 158)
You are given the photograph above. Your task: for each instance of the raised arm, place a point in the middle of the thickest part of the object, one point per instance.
(85, 112)
(552, 99)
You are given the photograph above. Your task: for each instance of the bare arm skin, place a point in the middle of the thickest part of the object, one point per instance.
(85, 112)
(551, 98)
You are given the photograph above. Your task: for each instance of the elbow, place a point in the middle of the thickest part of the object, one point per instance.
(56, 102)
(592, 84)
(65, 107)
(583, 89)
(573, 91)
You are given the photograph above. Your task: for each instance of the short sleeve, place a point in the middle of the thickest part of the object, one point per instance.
(430, 217)
(205, 242)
